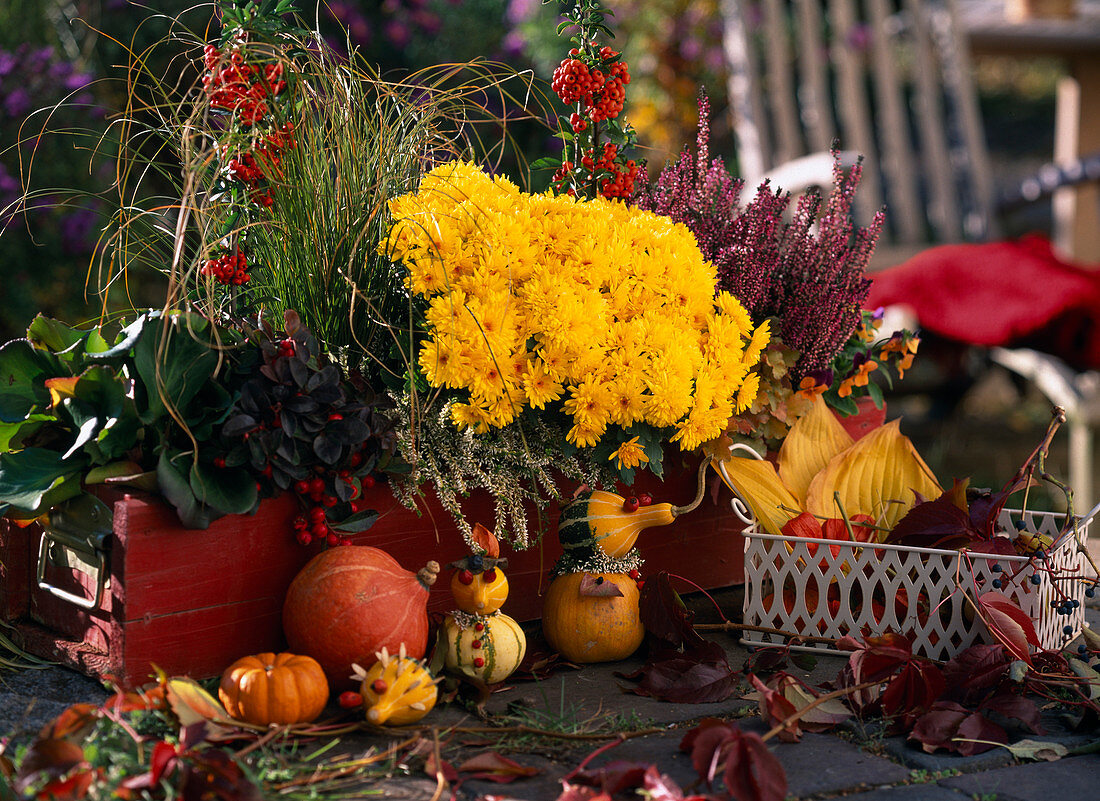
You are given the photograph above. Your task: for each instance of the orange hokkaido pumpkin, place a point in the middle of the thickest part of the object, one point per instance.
(274, 688)
(585, 621)
(350, 602)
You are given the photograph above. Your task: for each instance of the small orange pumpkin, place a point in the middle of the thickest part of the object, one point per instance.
(593, 617)
(274, 688)
(479, 585)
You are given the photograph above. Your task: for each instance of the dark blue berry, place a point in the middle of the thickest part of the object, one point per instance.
(1036, 578)
(996, 568)
(1090, 592)
(996, 584)
(1082, 649)
(1067, 629)
(1075, 603)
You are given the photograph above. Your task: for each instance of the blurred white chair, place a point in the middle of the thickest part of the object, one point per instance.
(1076, 392)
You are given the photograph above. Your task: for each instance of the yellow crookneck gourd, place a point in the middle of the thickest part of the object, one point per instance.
(600, 522)
(481, 641)
(397, 689)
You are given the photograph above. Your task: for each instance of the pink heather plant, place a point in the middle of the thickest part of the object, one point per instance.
(811, 278)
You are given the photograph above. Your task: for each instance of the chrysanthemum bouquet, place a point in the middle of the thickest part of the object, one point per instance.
(597, 318)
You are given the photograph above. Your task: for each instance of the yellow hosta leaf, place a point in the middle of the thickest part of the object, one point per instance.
(878, 476)
(759, 485)
(815, 438)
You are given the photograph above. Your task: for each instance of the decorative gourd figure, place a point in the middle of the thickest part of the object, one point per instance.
(593, 617)
(590, 613)
(481, 641)
(598, 522)
(396, 689)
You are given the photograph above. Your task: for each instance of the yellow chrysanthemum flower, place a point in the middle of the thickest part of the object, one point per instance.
(540, 300)
(629, 455)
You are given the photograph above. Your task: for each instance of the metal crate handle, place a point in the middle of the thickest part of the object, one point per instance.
(78, 528)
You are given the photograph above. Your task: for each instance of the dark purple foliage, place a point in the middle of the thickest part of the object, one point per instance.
(808, 272)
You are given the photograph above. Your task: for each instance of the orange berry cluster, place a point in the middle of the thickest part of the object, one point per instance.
(234, 85)
(265, 160)
(618, 180)
(229, 268)
(601, 93)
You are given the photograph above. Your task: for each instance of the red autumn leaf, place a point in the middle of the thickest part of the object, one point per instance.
(998, 546)
(161, 761)
(658, 787)
(805, 525)
(71, 721)
(706, 743)
(496, 768)
(936, 727)
(752, 771)
(1008, 624)
(986, 508)
(977, 734)
(775, 708)
(486, 540)
(915, 688)
(664, 614)
(614, 777)
(72, 788)
(935, 524)
(597, 587)
(50, 758)
(137, 701)
(952, 727)
(580, 792)
(912, 682)
(836, 529)
(434, 767)
(211, 773)
(699, 675)
(1015, 707)
(978, 668)
(814, 715)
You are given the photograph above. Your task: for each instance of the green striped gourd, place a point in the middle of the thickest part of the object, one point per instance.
(486, 647)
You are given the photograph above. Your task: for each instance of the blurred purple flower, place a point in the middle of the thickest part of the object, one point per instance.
(17, 103)
(521, 11)
(427, 21)
(514, 44)
(398, 33)
(76, 229)
(691, 48)
(7, 63)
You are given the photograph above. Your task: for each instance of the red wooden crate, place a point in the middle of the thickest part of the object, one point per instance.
(192, 601)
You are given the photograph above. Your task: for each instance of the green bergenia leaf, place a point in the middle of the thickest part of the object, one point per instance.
(176, 489)
(33, 477)
(174, 365)
(227, 490)
(23, 371)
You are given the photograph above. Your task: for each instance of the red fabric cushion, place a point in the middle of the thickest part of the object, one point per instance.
(1016, 293)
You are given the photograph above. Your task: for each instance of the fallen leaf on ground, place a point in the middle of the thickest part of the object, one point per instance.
(496, 768)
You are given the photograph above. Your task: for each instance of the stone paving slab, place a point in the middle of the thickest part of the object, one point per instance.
(1070, 778)
(911, 792)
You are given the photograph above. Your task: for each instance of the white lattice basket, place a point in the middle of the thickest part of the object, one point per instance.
(871, 587)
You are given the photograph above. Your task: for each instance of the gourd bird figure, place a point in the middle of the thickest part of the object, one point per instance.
(481, 641)
(590, 613)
